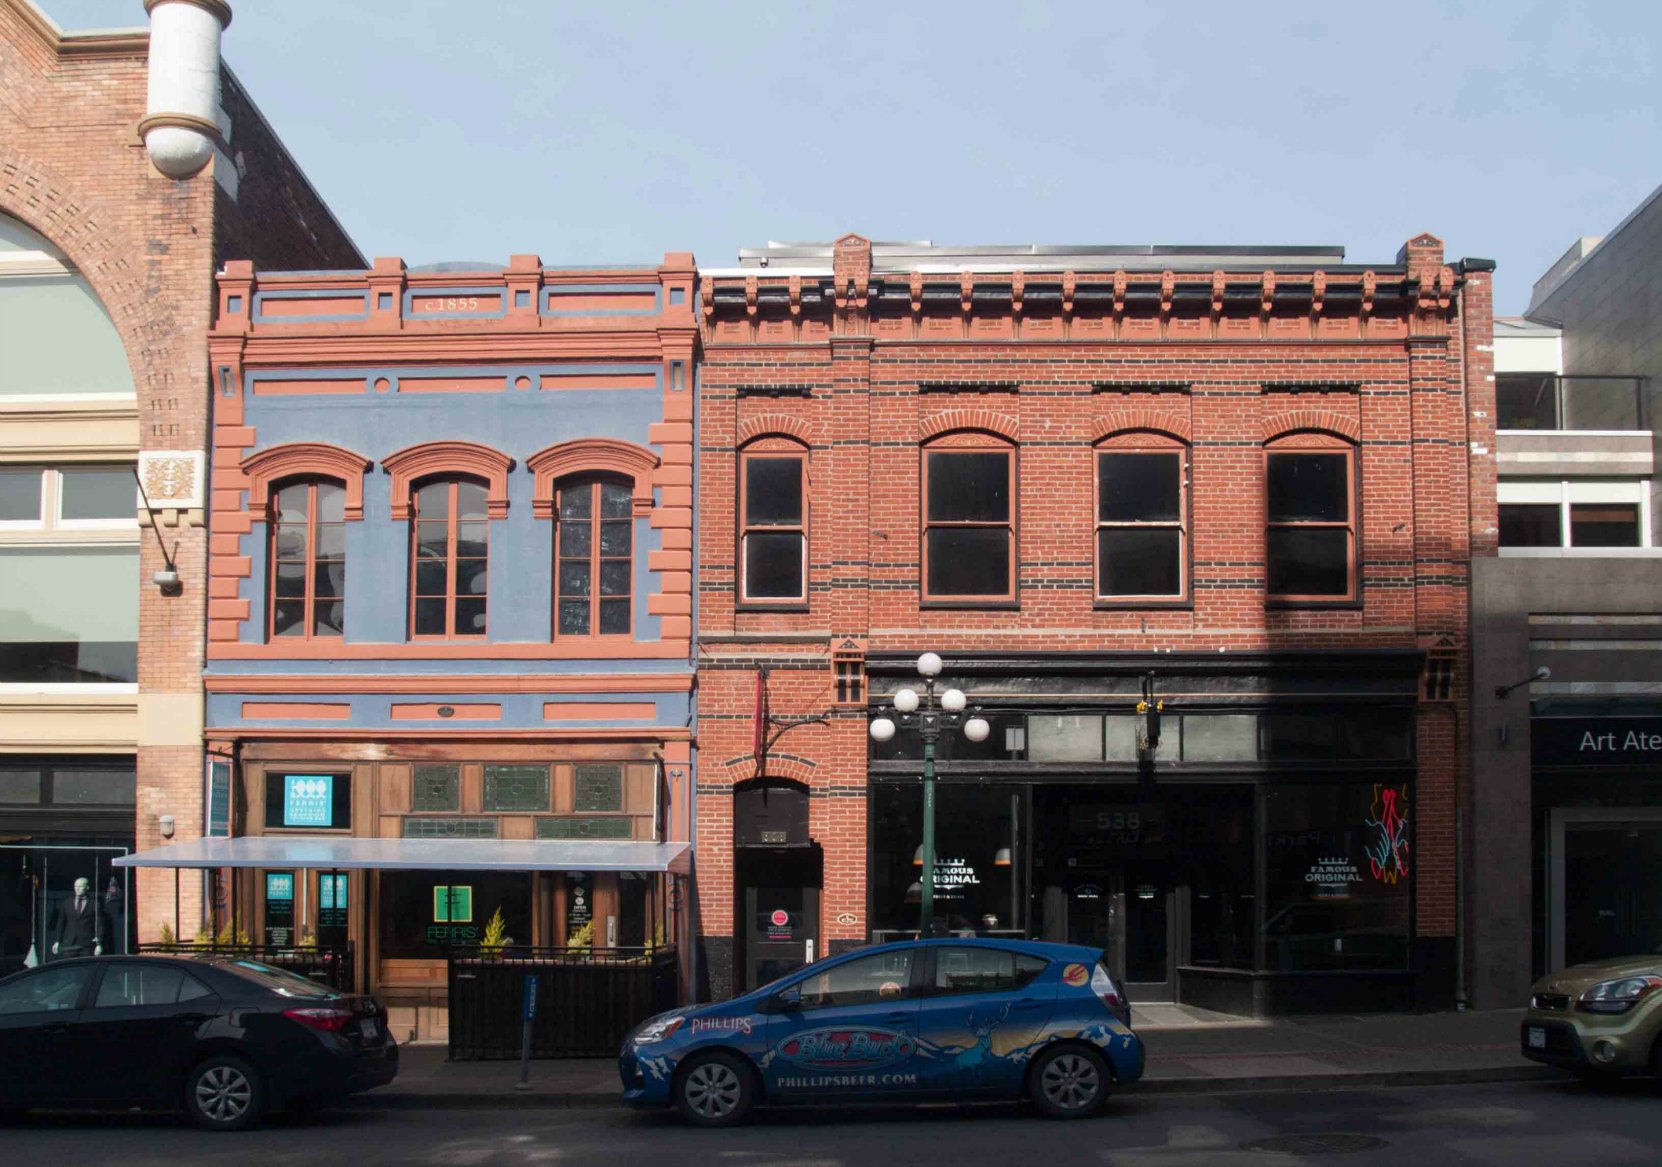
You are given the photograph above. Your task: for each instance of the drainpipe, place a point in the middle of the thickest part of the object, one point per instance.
(181, 124)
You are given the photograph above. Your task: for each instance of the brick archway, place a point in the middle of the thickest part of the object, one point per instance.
(114, 263)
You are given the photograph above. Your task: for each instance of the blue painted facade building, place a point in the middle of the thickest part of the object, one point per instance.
(450, 604)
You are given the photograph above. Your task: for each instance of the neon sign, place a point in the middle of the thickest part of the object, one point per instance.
(1388, 850)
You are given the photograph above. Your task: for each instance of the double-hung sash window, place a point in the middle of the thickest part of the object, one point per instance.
(1310, 536)
(1141, 535)
(450, 538)
(969, 538)
(774, 533)
(595, 553)
(308, 560)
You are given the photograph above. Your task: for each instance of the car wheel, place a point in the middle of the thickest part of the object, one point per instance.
(224, 1093)
(1069, 1081)
(717, 1089)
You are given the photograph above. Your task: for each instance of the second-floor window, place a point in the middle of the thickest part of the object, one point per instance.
(1141, 535)
(449, 558)
(773, 533)
(969, 538)
(1310, 536)
(594, 552)
(308, 560)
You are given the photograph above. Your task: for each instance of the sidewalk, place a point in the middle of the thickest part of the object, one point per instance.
(1189, 1051)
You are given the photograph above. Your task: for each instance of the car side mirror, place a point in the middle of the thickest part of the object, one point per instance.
(789, 999)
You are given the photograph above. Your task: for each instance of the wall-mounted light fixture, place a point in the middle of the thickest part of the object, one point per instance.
(166, 580)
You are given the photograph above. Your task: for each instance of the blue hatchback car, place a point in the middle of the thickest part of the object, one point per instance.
(930, 1020)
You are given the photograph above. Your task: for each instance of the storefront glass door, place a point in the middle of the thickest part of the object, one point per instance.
(1608, 885)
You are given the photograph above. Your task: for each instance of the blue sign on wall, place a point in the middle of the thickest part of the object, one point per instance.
(308, 800)
(279, 886)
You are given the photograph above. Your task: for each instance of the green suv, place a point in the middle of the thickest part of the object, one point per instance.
(1601, 1018)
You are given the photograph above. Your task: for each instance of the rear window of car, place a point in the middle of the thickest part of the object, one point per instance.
(280, 980)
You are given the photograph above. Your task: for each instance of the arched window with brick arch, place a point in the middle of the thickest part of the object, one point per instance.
(773, 522)
(969, 519)
(594, 551)
(1312, 504)
(594, 489)
(1142, 519)
(449, 557)
(307, 559)
(306, 492)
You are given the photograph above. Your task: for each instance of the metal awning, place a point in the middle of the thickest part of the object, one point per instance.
(345, 854)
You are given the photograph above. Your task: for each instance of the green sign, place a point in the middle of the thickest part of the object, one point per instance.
(453, 903)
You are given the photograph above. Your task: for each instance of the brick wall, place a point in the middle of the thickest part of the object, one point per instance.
(1387, 371)
(73, 168)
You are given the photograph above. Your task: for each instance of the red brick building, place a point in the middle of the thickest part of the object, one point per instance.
(1237, 476)
(132, 165)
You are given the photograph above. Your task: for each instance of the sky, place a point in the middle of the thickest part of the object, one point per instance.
(614, 132)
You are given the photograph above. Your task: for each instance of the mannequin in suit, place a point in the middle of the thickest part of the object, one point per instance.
(78, 929)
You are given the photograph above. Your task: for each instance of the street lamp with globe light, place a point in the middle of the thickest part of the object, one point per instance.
(929, 714)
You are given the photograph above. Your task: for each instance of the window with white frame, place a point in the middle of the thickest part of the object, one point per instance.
(1585, 515)
(70, 497)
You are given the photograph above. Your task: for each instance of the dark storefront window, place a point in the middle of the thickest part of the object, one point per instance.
(1337, 876)
(422, 912)
(1218, 846)
(975, 848)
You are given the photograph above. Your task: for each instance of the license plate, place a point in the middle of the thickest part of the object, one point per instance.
(1537, 1038)
(369, 1028)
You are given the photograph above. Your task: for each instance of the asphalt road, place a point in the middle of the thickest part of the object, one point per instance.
(1551, 1124)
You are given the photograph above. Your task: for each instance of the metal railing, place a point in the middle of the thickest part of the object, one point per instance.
(1542, 401)
(326, 964)
(588, 999)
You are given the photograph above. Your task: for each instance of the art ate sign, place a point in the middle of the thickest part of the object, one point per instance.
(1596, 741)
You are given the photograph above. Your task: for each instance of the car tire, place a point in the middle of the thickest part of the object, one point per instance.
(715, 1089)
(224, 1093)
(1069, 1081)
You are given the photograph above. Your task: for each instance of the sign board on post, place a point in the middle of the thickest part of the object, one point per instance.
(528, 1013)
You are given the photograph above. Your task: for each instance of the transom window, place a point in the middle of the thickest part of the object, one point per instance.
(1577, 513)
(449, 558)
(595, 552)
(69, 497)
(969, 522)
(308, 560)
(1310, 540)
(774, 532)
(1141, 536)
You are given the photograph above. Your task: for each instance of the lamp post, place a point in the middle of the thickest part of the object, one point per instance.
(929, 713)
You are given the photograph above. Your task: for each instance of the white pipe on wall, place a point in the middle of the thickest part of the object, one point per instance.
(181, 122)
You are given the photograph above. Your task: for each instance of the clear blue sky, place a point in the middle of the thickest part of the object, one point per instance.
(439, 129)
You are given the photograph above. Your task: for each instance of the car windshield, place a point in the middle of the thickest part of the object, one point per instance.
(281, 980)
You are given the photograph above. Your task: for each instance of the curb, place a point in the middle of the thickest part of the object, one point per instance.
(1363, 1080)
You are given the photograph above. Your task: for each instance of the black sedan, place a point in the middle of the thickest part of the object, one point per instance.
(223, 1038)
